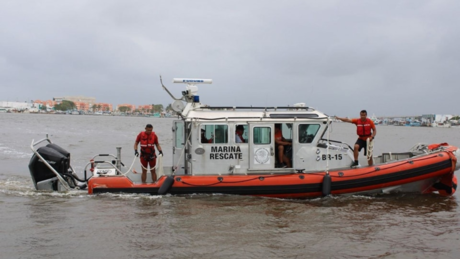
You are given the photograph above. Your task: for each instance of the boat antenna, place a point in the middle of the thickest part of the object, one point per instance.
(170, 94)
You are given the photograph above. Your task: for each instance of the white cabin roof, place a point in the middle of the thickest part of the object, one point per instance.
(201, 112)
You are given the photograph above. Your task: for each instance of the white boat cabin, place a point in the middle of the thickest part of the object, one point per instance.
(205, 141)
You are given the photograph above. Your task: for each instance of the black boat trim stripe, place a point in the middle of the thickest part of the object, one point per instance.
(396, 176)
(293, 189)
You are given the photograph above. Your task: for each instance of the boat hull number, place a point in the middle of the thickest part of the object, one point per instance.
(329, 157)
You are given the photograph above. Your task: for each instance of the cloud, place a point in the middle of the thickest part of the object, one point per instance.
(389, 57)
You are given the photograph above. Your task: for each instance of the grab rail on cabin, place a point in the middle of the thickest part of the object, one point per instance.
(259, 108)
(334, 141)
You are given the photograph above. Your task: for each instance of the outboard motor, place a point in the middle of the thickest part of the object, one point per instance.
(42, 175)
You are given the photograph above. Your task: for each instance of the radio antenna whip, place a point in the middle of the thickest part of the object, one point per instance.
(166, 89)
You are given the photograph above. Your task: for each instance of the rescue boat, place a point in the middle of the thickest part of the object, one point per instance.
(207, 158)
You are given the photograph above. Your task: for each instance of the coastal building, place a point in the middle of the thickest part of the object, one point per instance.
(82, 106)
(82, 103)
(18, 106)
(14, 105)
(145, 108)
(49, 104)
(104, 107)
(131, 107)
(442, 117)
(89, 100)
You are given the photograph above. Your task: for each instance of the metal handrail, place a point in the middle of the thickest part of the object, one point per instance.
(61, 180)
(290, 108)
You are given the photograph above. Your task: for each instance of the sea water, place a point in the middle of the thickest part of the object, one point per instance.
(77, 225)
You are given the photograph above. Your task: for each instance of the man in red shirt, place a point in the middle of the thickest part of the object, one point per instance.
(365, 129)
(281, 142)
(148, 140)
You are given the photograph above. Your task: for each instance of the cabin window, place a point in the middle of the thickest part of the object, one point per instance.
(179, 132)
(214, 134)
(262, 135)
(244, 134)
(307, 132)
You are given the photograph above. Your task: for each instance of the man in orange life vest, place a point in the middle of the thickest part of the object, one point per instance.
(365, 129)
(148, 140)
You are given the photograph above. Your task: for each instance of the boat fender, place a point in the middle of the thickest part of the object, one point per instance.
(326, 185)
(168, 182)
(444, 189)
(454, 184)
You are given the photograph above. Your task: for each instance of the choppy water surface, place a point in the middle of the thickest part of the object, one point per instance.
(76, 225)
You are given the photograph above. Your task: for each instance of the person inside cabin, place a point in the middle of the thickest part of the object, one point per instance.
(203, 137)
(239, 134)
(365, 128)
(281, 143)
(147, 140)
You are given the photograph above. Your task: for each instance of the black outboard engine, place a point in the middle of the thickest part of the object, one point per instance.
(56, 157)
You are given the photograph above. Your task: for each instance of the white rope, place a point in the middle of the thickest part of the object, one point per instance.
(158, 167)
(159, 159)
(370, 148)
(130, 168)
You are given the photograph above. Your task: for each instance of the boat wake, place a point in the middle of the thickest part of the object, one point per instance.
(129, 196)
(17, 186)
(9, 153)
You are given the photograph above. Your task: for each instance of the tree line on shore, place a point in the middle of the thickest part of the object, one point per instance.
(66, 105)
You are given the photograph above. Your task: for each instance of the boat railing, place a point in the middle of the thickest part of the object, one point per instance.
(324, 142)
(419, 147)
(58, 175)
(275, 108)
(114, 164)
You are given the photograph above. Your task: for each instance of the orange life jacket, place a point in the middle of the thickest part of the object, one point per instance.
(147, 142)
(363, 128)
(278, 135)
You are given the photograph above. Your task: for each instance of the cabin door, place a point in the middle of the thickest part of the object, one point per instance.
(178, 147)
(305, 154)
(261, 146)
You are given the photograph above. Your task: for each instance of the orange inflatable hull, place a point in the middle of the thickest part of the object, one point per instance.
(425, 174)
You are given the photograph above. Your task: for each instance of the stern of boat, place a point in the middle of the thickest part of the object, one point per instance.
(50, 168)
(456, 153)
(447, 184)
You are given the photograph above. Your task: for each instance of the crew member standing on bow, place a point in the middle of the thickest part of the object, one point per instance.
(365, 128)
(148, 140)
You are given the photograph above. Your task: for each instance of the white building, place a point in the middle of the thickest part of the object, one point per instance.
(442, 117)
(19, 106)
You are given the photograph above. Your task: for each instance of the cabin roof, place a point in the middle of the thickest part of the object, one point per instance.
(254, 113)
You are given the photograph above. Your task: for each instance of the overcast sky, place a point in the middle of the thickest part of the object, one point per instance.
(389, 57)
